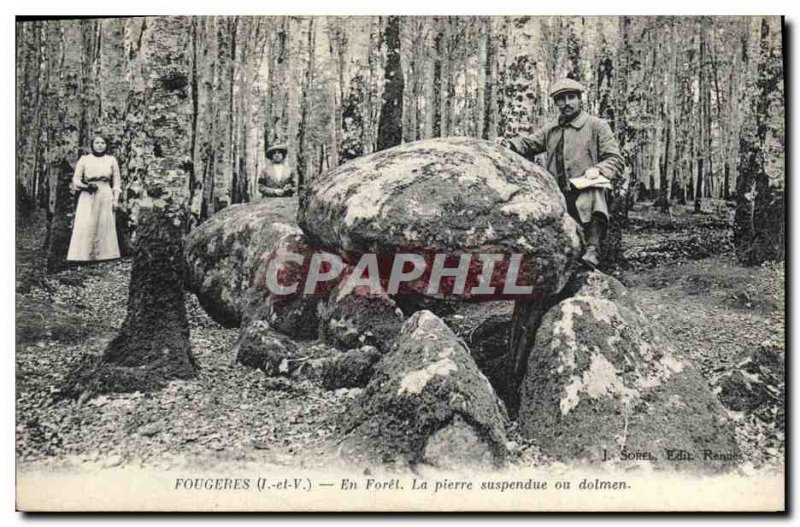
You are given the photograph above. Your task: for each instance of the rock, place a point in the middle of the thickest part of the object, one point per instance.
(600, 377)
(259, 346)
(223, 253)
(297, 317)
(454, 195)
(456, 445)
(348, 369)
(427, 402)
(361, 317)
(410, 304)
(756, 384)
(296, 314)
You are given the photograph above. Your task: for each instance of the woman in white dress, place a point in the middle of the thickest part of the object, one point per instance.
(94, 233)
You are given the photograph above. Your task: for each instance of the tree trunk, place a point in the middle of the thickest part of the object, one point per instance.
(303, 150)
(152, 346)
(420, 53)
(727, 182)
(339, 57)
(373, 60)
(60, 215)
(155, 334)
(488, 94)
(663, 196)
(437, 80)
(704, 161)
(63, 139)
(759, 224)
(390, 124)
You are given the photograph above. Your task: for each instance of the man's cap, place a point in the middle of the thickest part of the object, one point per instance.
(277, 148)
(566, 85)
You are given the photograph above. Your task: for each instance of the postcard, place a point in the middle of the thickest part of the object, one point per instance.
(335, 263)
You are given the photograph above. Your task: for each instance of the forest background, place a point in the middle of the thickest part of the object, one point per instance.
(696, 102)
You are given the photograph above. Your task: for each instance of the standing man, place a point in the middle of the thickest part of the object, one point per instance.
(577, 145)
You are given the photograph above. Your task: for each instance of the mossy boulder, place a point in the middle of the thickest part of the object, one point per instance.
(602, 382)
(426, 402)
(757, 384)
(453, 195)
(224, 252)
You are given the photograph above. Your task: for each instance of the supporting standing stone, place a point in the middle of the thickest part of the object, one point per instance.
(602, 382)
(427, 402)
(524, 323)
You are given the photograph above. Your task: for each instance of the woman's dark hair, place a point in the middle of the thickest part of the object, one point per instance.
(104, 138)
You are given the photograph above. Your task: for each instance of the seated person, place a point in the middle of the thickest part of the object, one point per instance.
(277, 178)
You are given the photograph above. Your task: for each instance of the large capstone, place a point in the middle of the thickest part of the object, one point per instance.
(427, 402)
(602, 382)
(223, 253)
(446, 196)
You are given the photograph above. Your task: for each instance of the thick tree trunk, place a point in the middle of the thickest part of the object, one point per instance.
(155, 334)
(156, 294)
(63, 139)
(152, 346)
(390, 124)
(769, 219)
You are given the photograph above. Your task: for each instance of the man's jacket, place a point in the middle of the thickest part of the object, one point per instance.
(588, 142)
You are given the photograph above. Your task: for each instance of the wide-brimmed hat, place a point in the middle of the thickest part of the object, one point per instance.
(566, 85)
(282, 148)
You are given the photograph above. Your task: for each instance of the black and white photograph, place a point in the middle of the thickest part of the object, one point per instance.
(400, 263)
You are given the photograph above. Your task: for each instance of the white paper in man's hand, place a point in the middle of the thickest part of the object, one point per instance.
(580, 183)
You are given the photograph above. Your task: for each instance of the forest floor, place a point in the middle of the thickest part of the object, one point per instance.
(681, 269)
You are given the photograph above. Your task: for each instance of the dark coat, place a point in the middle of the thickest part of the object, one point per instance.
(588, 142)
